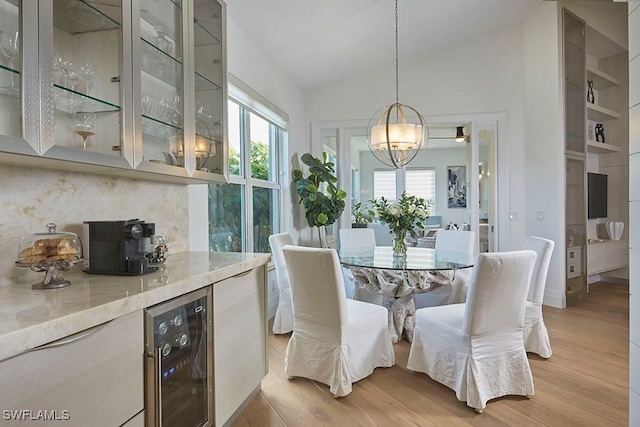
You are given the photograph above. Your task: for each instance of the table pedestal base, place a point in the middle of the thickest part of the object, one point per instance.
(397, 288)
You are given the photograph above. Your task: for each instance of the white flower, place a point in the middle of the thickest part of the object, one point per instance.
(411, 208)
(421, 213)
(395, 210)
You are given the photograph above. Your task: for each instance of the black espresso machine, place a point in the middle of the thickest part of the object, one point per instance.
(118, 247)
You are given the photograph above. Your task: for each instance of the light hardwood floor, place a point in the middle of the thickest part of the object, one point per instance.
(584, 383)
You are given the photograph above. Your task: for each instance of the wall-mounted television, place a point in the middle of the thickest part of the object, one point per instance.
(597, 199)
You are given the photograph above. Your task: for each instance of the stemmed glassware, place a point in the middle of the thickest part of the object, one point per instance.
(9, 46)
(88, 74)
(84, 124)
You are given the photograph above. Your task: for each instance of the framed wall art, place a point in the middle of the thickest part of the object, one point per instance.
(457, 181)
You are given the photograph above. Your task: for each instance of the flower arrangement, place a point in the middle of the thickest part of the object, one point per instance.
(402, 217)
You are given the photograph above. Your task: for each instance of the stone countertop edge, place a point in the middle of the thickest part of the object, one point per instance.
(30, 318)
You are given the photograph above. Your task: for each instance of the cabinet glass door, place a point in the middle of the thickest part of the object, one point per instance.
(10, 66)
(87, 55)
(162, 82)
(208, 78)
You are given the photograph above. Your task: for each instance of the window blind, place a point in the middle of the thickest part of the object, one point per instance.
(384, 184)
(421, 183)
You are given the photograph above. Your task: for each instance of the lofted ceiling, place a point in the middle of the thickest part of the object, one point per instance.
(318, 42)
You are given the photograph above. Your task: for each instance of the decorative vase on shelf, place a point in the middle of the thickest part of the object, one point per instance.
(615, 229)
(399, 245)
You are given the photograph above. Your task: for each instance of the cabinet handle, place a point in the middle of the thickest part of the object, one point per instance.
(154, 371)
(244, 273)
(71, 338)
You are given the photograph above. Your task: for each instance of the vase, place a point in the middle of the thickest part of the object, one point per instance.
(615, 229)
(399, 246)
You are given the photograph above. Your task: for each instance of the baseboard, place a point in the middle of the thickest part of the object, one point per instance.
(614, 280)
(554, 299)
(243, 406)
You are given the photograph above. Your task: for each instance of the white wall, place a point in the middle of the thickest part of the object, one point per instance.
(544, 143)
(634, 214)
(476, 76)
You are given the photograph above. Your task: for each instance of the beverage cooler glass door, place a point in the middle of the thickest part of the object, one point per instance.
(179, 389)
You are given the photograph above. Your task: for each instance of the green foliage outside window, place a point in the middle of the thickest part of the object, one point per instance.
(225, 206)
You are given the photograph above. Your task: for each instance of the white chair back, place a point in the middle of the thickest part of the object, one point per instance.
(497, 293)
(277, 242)
(543, 249)
(317, 289)
(456, 241)
(357, 238)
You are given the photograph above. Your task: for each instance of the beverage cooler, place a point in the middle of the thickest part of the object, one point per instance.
(179, 362)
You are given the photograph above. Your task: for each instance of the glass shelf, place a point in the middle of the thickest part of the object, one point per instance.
(158, 128)
(159, 13)
(9, 82)
(202, 36)
(161, 65)
(70, 101)
(83, 16)
(203, 84)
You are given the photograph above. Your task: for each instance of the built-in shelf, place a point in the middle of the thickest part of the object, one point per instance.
(598, 113)
(601, 147)
(601, 80)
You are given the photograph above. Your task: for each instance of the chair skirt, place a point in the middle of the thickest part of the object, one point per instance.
(283, 320)
(365, 345)
(536, 336)
(477, 369)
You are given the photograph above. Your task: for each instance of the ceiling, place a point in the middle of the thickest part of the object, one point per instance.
(318, 42)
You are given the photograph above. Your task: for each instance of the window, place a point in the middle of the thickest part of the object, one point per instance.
(384, 184)
(421, 183)
(245, 212)
(418, 182)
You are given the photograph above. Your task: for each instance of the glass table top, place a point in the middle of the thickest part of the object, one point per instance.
(417, 259)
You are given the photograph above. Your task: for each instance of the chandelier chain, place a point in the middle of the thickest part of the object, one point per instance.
(397, 98)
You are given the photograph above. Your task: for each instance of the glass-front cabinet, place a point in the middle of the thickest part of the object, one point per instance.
(10, 75)
(136, 85)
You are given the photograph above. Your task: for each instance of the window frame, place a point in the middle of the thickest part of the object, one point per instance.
(247, 182)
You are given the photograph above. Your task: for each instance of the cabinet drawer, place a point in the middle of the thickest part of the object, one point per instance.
(574, 254)
(91, 378)
(574, 269)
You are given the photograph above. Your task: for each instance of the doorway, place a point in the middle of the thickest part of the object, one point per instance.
(474, 203)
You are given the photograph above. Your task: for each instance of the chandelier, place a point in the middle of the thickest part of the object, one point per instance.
(396, 133)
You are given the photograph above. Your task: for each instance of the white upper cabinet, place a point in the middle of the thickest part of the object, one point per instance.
(136, 87)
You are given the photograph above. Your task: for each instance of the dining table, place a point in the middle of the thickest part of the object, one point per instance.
(378, 271)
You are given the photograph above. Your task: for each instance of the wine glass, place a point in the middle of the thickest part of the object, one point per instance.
(9, 46)
(88, 74)
(84, 124)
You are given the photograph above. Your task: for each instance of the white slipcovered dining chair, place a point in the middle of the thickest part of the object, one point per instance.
(335, 340)
(283, 321)
(476, 348)
(359, 238)
(536, 337)
(455, 241)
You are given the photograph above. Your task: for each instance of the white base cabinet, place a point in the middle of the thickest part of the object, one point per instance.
(240, 341)
(606, 256)
(92, 378)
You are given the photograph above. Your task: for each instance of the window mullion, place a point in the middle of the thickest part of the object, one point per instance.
(248, 188)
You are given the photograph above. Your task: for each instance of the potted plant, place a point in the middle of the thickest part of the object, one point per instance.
(362, 214)
(323, 201)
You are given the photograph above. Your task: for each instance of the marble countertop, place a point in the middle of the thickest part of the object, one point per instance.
(30, 318)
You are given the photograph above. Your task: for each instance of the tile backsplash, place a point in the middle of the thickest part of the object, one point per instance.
(31, 198)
